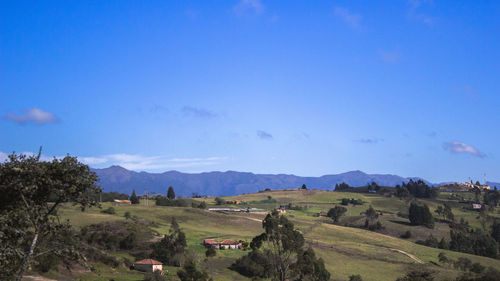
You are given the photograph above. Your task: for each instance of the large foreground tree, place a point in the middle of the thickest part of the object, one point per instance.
(284, 247)
(31, 193)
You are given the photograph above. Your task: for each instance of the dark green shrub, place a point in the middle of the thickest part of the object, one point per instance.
(109, 210)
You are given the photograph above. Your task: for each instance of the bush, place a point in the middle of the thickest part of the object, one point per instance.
(129, 242)
(431, 241)
(406, 235)
(164, 201)
(154, 276)
(418, 275)
(376, 226)
(355, 278)
(463, 264)
(109, 210)
(211, 252)
(477, 268)
(219, 201)
(443, 258)
(255, 264)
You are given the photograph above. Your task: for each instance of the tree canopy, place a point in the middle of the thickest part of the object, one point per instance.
(420, 215)
(283, 251)
(32, 192)
(336, 212)
(133, 198)
(170, 193)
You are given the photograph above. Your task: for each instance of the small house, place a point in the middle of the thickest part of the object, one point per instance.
(476, 206)
(211, 243)
(230, 244)
(148, 265)
(323, 214)
(121, 202)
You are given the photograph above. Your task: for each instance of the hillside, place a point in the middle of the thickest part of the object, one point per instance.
(376, 256)
(116, 178)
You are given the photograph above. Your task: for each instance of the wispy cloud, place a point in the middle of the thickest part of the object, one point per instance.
(369, 140)
(33, 115)
(198, 112)
(248, 6)
(354, 20)
(136, 161)
(415, 13)
(462, 148)
(264, 135)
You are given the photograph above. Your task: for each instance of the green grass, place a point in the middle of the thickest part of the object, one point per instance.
(345, 250)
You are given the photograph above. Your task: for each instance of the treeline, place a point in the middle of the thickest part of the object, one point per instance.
(418, 189)
(465, 239)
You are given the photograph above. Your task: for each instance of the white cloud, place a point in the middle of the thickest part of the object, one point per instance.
(462, 148)
(136, 161)
(354, 20)
(93, 160)
(148, 163)
(246, 6)
(34, 115)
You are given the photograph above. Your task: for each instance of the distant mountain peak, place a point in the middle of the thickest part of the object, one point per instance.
(117, 178)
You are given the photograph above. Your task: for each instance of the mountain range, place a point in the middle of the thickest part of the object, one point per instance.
(119, 179)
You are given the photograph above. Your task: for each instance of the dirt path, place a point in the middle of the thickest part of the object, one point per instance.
(319, 223)
(36, 278)
(407, 254)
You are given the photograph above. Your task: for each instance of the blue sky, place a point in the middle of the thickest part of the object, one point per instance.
(303, 87)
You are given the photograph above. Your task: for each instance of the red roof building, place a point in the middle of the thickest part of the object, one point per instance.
(148, 265)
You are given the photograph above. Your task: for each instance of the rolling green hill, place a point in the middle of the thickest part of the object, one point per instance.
(346, 250)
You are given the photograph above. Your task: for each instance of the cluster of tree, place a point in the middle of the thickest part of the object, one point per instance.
(347, 201)
(170, 249)
(283, 257)
(341, 187)
(114, 235)
(474, 241)
(432, 241)
(290, 206)
(32, 192)
(111, 196)
(373, 186)
(417, 189)
(192, 272)
(371, 222)
(475, 271)
(164, 201)
(445, 212)
(201, 205)
(420, 215)
(424, 274)
(336, 212)
(491, 197)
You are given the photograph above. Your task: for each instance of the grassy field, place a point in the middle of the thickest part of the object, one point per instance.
(346, 250)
